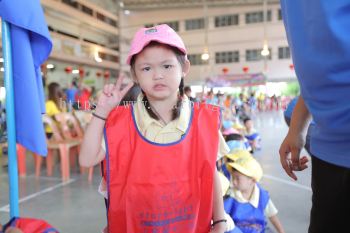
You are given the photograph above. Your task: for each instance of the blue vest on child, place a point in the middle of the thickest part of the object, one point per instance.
(246, 217)
(253, 136)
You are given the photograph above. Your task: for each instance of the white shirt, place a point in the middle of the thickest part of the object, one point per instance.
(270, 209)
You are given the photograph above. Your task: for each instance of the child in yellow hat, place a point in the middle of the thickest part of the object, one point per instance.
(247, 202)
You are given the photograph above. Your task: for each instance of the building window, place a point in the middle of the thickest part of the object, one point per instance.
(106, 19)
(149, 25)
(100, 16)
(257, 17)
(111, 22)
(226, 57)
(71, 3)
(226, 20)
(255, 55)
(279, 14)
(193, 24)
(252, 54)
(195, 59)
(108, 57)
(87, 10)
(283, 53)
(174, 25)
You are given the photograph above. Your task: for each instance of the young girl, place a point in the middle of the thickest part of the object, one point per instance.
(160, 153)
(55, 99)
(54, 103)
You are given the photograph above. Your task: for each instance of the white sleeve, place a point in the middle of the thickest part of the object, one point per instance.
(102, 188)
(229, 224)
(223, 147)
(103, 144)
(270, 209)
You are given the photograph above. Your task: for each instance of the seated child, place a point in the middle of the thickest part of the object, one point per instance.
(251, 134)
(247, 202)
(235, 140)
(226, 124)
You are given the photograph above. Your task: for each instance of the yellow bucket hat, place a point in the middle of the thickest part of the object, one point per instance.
(248, 166)
(238, 126)
(238, 153)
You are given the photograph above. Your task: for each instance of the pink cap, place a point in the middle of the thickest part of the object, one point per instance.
(160, 33)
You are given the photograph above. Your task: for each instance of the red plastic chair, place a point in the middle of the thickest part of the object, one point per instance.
(72, 130)
(69, 126)
(84, 118)
(21, 158)
(56, 142)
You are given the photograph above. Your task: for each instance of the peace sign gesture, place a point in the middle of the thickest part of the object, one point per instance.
(111, 96)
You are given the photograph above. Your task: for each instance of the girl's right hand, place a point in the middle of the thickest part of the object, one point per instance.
(111, 96)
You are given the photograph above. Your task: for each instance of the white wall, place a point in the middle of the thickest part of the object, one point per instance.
(239, 37)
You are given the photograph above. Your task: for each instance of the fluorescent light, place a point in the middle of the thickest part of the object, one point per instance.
(127, 12)
(1, 59)
(121, 4)
(265, 51)
(50, 66)
(75, 71)
(205, 56)
(2, 69)
(97, 57)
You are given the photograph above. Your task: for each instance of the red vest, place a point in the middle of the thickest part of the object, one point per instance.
(156, 187)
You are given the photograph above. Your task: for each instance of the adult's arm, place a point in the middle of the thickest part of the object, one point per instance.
(295, 140)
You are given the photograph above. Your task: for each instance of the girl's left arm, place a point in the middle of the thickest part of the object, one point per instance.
(218, 206)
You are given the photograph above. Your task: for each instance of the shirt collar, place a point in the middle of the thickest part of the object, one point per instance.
(144, 120)
(254, 199)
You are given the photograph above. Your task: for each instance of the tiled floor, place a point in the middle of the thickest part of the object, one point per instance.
(75, 206)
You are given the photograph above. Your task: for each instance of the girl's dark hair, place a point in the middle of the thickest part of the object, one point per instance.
(246, 119)
(182, 60)
(131, 95)
(55, 94)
